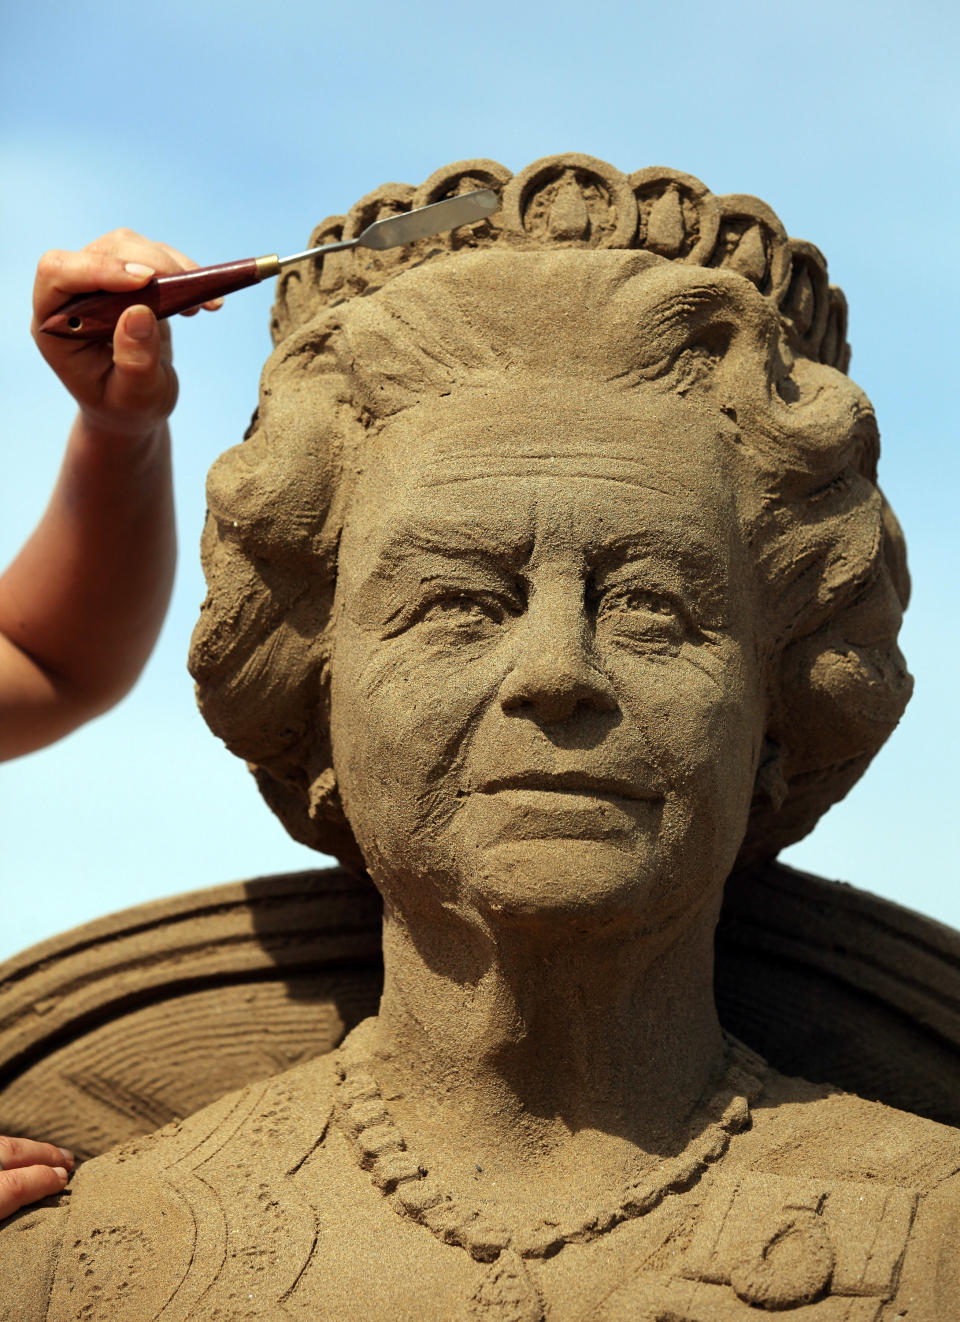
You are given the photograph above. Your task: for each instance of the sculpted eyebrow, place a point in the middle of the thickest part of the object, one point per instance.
(452, 542)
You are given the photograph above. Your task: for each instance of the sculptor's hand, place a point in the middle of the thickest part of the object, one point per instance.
(129, 386)
(83, 602)
(30, 1171)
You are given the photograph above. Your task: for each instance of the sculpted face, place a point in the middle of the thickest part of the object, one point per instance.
(545, 692)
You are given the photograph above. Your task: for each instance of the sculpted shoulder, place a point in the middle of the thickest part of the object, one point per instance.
(814, 1130)
(149, 1223)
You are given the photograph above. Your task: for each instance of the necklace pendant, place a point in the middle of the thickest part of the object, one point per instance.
(506, 1293)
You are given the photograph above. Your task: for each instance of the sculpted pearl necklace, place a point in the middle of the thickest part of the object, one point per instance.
(507, 1290)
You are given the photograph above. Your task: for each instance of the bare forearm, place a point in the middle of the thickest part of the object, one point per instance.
(82, 604)
(85, 598)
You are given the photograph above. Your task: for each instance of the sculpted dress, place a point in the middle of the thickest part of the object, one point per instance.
(823, 1207)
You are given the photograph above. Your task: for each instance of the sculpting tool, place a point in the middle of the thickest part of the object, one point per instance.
(94, 316)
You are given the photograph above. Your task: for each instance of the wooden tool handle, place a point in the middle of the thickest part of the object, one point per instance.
(94, 316)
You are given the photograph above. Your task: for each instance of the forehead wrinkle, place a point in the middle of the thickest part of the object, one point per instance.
(463, 479)
(477, 530)
(455, 463)
(584, 463)
(563, 449)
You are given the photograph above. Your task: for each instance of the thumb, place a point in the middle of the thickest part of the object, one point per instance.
(142, 379)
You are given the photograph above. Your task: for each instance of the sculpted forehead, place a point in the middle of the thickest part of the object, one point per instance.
(502, 470)
(499, 444)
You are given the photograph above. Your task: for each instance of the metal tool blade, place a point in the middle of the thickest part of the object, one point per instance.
(432, 219)
(420, 224)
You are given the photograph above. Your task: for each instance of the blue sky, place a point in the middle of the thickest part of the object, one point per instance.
(231, 129)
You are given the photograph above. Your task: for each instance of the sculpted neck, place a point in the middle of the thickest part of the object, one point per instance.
(522, 1038)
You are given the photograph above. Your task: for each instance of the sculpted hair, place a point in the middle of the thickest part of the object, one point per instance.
(802, 445)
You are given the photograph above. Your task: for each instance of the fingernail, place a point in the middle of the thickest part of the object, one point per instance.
(67, 1155)
(138, 268)
(138, 323)
(58, 1170)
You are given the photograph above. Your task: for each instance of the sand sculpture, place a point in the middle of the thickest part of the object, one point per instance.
(551, 580)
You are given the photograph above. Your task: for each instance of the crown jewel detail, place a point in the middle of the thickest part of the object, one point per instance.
(578, 201)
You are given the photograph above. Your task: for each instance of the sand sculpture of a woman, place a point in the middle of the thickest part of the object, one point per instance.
(552, 578)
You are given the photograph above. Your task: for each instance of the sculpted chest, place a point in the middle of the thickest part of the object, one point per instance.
(265, 1216)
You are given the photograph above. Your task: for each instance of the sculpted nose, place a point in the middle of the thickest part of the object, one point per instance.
(553, 675)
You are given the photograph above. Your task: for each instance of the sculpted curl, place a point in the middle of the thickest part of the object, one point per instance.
(799, 437)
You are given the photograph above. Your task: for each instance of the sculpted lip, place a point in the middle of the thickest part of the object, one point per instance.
(569, 782)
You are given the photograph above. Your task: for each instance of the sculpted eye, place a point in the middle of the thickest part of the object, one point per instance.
(639, 616)
(449, 610)
(470, 614)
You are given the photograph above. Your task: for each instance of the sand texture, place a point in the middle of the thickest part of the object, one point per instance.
(551, 585)
(255, 1209)
(120, 1026)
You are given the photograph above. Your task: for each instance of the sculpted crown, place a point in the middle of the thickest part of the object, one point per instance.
(577, 201)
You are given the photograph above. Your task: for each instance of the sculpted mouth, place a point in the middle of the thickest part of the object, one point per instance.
(570, 782)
